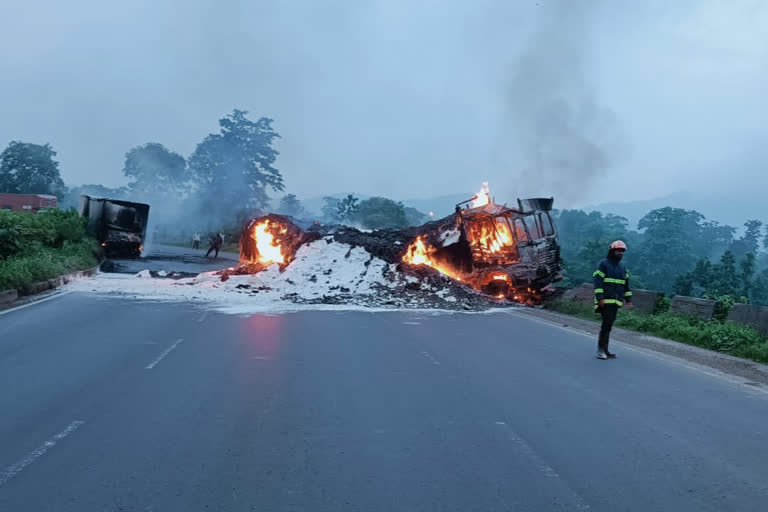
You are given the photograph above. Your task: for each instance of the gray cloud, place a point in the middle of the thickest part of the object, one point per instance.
(401, 98)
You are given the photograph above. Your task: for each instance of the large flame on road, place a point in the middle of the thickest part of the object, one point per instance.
(483, 197)
(267, 244)
(419, 253)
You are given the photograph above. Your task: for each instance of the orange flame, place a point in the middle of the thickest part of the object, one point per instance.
(419, 253)
(483, 197)
(489, 236)
(268, 246)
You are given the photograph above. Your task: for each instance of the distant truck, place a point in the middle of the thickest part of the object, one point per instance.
(120, 226)
(31, 203)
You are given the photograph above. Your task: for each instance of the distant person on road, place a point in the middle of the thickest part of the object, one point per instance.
(216, 242)
(196, 241)
(611, 281)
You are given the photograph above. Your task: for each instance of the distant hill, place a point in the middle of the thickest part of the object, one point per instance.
(730, 211)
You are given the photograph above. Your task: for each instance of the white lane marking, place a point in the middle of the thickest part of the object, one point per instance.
(661, 356)
(262, 358)
(203, 317)
(412, 323)
(430, 357)
(547, 470)
(32, 456)
(46, 299)
(161, 356)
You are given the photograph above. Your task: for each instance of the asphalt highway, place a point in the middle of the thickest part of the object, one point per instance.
(113, 405)
(172, 258)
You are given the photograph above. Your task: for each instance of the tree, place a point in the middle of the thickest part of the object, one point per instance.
(347, 208)
(752, 235)
(684, 285)
(725, 277)
(760, 289)
(381, 213)
(27, 168)
(750, 242)
(698, 282)
(232, 169)
(156, 171)
(668, 245)
(290, 205)
(747, 267)
(714, 240)
(330, 209)
(765, 239)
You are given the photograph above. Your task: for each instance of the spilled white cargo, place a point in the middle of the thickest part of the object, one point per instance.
(324, 275)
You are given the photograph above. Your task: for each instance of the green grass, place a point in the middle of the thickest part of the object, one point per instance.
(46, 263)
(727, 337)
(37, 247)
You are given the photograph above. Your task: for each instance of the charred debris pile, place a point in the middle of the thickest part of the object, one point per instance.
(485, 253)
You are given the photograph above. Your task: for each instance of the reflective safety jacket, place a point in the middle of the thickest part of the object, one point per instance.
(611, 281)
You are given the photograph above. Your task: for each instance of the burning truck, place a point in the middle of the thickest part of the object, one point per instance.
(501, 251)
(506, 252)
(120, 226)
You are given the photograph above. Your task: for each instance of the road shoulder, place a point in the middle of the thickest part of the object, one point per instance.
(755, 373)
(42, 290)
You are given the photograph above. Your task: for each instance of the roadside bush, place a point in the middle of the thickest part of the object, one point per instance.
(723, 305)
(661, 305)
(573, 308)
(36, 247)
(50, 228)
(727, 337)
(9, 242)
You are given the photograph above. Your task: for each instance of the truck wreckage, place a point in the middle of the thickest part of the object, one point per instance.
(120, 226)
(505, 252)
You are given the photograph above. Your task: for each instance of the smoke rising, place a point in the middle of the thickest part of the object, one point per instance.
(561, 137)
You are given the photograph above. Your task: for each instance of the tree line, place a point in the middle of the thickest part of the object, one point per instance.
(231, 169)
(672, 250)
(229, 177)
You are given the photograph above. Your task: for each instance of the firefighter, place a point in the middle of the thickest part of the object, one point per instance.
(611, 281)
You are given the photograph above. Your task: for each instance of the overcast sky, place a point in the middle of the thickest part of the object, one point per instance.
(585, 100)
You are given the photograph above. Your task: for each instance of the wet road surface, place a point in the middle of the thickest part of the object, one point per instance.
(110, 404)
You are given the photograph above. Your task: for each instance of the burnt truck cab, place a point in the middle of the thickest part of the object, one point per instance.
(120, 226)
(503, 251)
